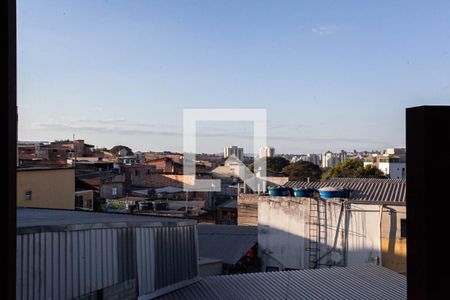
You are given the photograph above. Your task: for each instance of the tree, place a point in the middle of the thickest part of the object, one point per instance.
(273, 164)
(277, 163)
(352, 168)
(115, 150)
(62, 141)
(302, 170)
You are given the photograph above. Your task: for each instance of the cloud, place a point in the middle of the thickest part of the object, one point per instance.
(120, 127)
(324, 30)
(283, 133)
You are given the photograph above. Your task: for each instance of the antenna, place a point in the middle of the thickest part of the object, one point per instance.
(74, 151)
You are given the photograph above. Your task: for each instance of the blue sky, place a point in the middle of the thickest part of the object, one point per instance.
(331, 74)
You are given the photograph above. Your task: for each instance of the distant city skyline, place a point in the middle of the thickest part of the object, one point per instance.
(331, 75)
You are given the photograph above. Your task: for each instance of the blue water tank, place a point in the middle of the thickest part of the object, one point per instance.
(332, 192)
(303, 192)
(279, 191)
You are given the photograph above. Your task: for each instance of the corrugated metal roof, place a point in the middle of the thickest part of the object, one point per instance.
(40, 220)
(169, 189)
(226, 242)
(357, 282)
(363, 189)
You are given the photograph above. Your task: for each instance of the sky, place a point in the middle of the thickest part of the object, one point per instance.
(331, 75)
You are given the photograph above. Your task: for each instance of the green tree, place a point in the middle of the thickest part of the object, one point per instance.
(352, 168)
(274, 164)
(115, 150)
(302, 170)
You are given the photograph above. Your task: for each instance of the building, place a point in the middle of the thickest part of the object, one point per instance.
(368, 227)
(267, 152)
(46, 187)
(128, 159)
(358, 282)
(84, 199)
(55, 153)
(392, 162)
(105, 185)
(234, 150)
(137, 175)
(87, 255)
(310, 157)
(330, 159)
(177, 157)
(343, 156)
(165, 165)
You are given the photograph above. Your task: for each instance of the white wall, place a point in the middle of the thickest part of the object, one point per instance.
(283, 233)
(394, 170)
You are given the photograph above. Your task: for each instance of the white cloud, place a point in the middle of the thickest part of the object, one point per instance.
(324, 30)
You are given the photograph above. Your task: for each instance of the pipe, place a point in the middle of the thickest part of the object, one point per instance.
(381, 215)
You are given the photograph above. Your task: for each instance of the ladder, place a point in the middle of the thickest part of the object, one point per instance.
(317, 231)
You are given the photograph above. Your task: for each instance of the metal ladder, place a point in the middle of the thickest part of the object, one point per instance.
(317, 231)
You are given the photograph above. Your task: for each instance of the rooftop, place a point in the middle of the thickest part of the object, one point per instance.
(40, 220)
(364, 190)
(98, 175)
(43, 168)
(357, 282)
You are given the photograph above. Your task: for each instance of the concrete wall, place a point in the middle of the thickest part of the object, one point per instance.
(392, 244)
(283, 233)
(87, 197)
(210, 267)
(247, 206)
(106, 190)
(50, 188)
(387, 238)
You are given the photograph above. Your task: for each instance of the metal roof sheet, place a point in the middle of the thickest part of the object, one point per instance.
(39, 220)
(226, 242)
(357, 282)
(363, 189)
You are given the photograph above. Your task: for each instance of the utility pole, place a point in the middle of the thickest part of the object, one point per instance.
(74, 161)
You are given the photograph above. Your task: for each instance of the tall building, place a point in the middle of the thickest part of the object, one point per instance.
(313, 158)
(343, 155)
(267, 152)
(329, 159)
(233, 150)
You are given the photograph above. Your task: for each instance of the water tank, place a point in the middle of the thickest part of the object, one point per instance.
(303, 192)
(332, 192)
(279, 191)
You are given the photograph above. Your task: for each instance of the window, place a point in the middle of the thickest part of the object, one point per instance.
(28, 195)
(114, 191)
(403, 228)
